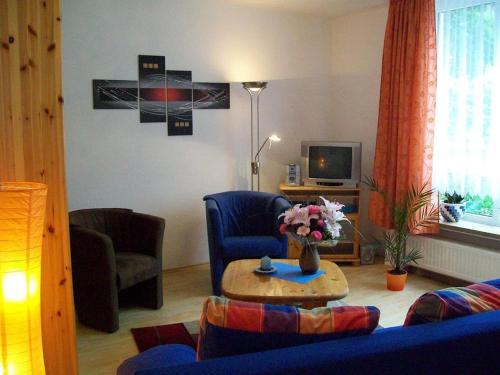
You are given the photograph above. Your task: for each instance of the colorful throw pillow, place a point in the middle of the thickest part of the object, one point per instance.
(452, 303)
(230, 327)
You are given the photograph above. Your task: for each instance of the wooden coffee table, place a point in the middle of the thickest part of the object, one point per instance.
(241, 283)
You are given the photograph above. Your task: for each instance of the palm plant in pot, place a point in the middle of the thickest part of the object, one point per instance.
(414, 211)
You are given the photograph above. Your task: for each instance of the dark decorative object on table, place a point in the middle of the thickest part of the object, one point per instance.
(243, 225)
(309, 259)
(266, 263)
(311, 225)
(115, 252)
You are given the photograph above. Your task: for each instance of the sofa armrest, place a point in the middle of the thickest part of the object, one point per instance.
(92, 254)
(147, 234)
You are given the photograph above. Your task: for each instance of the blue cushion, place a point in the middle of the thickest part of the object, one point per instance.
(251, 247)
(259, 224)
(159, 356)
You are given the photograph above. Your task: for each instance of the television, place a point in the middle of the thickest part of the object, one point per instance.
(331, 163)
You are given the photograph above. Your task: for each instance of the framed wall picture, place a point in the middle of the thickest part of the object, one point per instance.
(114, 94)
(152, 95)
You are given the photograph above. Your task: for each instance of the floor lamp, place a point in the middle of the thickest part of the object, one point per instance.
(22, 214)
(254, 89)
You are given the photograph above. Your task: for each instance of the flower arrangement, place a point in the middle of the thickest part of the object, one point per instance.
(313, 223)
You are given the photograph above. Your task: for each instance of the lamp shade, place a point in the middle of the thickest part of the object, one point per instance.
(22, 214)
(254, 88)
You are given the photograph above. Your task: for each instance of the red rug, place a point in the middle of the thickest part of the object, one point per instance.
(179, 333)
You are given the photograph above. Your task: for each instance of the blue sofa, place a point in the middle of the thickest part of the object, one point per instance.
(468, 345)
(243, 225)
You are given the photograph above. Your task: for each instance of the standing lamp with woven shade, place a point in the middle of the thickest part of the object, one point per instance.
(22, 215)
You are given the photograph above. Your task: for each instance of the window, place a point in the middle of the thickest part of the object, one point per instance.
(467, 137)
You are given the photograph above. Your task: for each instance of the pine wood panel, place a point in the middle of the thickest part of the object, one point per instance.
(31, 149)
(240, 282)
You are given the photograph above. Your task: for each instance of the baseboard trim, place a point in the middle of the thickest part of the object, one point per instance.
(452, 281)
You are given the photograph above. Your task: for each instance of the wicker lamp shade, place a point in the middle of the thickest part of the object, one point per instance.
(22, 215)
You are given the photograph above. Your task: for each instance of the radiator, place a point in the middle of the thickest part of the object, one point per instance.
(463, 261)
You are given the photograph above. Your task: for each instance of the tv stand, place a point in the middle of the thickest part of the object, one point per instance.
(329, 183)
(316, 183)
(347, 250)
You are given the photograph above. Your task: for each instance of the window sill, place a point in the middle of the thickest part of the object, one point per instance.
(470, 232)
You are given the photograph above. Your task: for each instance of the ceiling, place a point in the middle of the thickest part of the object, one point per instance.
(331, 8)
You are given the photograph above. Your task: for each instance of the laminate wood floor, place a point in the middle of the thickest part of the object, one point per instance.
(186, 288)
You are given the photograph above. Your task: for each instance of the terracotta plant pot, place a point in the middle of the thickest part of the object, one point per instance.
(309, 259)
(396, 282)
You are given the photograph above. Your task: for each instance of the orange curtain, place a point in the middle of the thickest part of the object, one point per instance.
(405, 135)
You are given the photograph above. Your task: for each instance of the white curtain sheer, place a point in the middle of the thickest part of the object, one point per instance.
(467, 138)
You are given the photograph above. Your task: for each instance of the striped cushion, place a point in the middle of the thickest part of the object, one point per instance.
(452, 303)
(230, 327)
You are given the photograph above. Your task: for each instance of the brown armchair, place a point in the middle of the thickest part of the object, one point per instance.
(115, 252)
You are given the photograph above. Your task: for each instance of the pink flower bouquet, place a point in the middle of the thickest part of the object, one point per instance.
(313, 223)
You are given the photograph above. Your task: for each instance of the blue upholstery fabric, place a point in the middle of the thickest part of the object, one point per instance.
(237, 247)
(243, 225)
(461, 346)
(159, 356)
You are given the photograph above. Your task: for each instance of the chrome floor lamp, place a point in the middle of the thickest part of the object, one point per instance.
(254, 89)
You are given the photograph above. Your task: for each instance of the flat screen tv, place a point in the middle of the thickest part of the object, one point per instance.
(331, 163)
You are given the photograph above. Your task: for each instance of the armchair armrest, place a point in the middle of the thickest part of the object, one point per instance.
(214, 225)
(280, 205)
(92, 256)
(147, 234)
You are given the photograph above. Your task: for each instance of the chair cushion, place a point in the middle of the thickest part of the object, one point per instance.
(260, 224)
(251, 247)
(114, 222)
(230, 327)
(238, 207)
(159, 356)
(133, 268)
(452, 303)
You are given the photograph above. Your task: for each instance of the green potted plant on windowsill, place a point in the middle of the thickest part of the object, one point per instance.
(414, 211)
(452, 207)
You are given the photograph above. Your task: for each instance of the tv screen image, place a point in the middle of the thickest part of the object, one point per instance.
(330, 162)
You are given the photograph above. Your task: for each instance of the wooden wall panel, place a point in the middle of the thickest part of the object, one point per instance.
(31, 149)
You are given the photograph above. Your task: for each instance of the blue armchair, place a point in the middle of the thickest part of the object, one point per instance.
(243, 225)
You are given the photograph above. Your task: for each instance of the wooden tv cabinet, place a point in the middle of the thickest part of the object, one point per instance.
(347, 249)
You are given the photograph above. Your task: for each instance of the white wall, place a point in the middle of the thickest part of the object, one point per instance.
(357, 46)
(113, 161)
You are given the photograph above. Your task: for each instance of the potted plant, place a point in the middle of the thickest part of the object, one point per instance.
(414, 211)
(311, 225)
(452, 207)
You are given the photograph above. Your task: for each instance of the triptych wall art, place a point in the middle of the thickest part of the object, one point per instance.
(161, 95)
